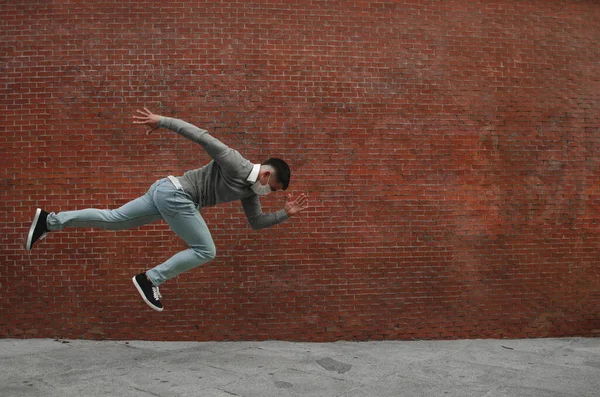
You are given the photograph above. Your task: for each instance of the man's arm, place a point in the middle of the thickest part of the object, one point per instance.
(229, 159)
(259, 220)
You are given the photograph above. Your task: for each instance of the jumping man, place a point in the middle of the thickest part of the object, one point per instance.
(177, 200)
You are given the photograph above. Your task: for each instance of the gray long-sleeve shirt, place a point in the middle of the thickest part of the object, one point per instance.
(222, 180)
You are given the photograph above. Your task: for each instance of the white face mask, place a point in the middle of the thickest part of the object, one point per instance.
(261, 190)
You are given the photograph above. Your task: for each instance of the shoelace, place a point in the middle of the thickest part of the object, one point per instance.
(43, 236)
(156, 293)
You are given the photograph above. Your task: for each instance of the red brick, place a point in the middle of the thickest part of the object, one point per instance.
(449, 149)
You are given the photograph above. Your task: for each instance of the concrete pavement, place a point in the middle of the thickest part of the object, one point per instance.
(491, 368)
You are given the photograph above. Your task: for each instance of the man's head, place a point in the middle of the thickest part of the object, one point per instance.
(276, 173)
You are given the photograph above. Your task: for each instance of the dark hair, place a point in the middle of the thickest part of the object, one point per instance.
(281, 169)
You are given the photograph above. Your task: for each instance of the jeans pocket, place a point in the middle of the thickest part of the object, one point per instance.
(168, 199)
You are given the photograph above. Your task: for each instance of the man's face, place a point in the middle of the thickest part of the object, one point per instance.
(270, 178)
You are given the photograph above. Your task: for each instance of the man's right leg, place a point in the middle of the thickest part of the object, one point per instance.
(135, 213)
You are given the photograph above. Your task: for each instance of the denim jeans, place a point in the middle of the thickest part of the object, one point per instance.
(162, 201)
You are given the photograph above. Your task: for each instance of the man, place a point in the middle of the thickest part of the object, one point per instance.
(177, 200)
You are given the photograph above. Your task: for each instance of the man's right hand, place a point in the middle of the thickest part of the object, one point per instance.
(147, 118)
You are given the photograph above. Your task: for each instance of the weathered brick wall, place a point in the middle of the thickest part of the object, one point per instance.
(450, 150)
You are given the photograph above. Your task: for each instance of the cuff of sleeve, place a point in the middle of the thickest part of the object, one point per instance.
(283, 215)
(163, 122)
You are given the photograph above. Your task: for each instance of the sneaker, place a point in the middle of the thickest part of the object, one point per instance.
(148, 291)
(38, 229)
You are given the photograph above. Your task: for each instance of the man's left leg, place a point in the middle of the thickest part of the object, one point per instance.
(184, 219)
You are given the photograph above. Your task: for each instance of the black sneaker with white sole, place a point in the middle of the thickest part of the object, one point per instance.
(38, 229)
(148, 291)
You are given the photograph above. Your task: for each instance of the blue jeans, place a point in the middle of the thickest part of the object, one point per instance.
(163, 201)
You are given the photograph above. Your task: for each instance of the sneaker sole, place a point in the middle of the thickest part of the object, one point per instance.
(32, 229)
(137, 286)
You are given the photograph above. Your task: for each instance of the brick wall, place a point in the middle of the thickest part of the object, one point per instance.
(450, 151)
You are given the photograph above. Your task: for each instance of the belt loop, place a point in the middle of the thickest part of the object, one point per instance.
(175, 182)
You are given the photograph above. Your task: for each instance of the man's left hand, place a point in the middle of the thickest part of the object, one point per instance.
(293, 206)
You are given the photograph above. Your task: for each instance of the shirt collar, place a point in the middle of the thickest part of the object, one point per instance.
(254, 173)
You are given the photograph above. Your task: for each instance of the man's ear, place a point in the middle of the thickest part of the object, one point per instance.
(263, 174)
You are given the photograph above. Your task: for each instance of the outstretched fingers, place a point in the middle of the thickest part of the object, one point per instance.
(140, 119)
(145, 114)
(302, 201)
(146, 117)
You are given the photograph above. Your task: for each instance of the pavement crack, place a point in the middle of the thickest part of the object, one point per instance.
(147, 392)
